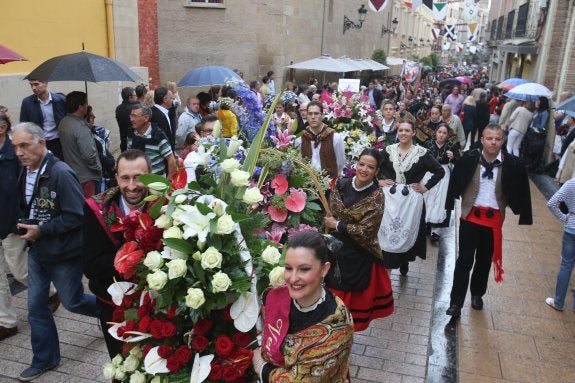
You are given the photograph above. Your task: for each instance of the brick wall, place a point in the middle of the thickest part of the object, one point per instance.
(148, 30)
(557, 45)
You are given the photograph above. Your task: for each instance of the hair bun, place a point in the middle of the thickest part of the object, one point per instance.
(332, 243)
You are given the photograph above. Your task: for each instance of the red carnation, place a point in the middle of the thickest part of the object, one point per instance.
(224, 345)
(168, 329)
(173, 364)
(118, 315)
(144, 325)
(200, 343)
(183, 353)
(165, 351)
(216, 371)
(156, 328)
(202, 326)
(241, 339)
(230, 373)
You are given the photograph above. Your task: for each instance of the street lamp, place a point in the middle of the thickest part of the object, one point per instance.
(421, 42)
(348, 24)
(385, 30)
(410, 39)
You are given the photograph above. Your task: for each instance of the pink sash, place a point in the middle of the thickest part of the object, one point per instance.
(276, 324)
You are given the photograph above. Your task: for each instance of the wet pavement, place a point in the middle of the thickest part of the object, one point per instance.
(515, 338)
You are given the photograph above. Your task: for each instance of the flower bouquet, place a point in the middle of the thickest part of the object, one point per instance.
(349, 111)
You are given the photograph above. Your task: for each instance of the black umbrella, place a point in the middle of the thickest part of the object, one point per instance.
(449, 82)
(82, 66)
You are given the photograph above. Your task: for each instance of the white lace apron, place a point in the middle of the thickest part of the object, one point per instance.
(435, 197)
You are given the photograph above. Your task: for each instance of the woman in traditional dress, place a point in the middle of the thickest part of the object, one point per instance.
(357, 275)
(402, 231)
(308, 332)
(446, 153)
(426, 129)
(386, 124)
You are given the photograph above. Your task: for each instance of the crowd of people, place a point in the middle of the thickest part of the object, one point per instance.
(64, 192)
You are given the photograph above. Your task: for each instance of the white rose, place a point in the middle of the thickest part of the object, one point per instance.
(218, 208)
(138, 377)
(226, 225)
(157, 379)
(157, 280)
(195, 298)
(173, 232)
(120, 374)
(117, 360)
(277, 276)
(252, 195)
(158, 186)
(177, 268)
(211, 258)
(230, 165)
(153, 260)
(180, 198)
(136, 351)
(271, 255)
(240, 178)
(131, 363)
(220, 282)
(109, 371)
(163, 222)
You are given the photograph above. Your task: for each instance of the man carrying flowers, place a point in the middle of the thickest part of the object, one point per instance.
(102, 240)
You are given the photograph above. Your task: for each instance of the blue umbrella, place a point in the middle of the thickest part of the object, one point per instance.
(510, 83)
(530, 91)
(568, 104)
(208, 76)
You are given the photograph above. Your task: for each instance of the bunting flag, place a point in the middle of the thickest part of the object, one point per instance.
(446, 45)
(416, 4)
(450, 32)
(459, 47)
(439, 10)
(470, 10)
(407, 3)
(436, 32)
(472, 31)
(473, 49)
(378, 5)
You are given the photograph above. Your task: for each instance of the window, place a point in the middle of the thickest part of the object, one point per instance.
(509, 26)
(522, 20)
(493, 29)
(205, 3)
(500, 27)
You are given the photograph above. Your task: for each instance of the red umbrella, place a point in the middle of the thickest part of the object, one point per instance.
(8, 55)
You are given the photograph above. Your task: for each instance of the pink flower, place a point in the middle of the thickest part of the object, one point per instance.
(295, 202)
(277, 214)
(302, 227)
(283, 139)
(280, 184)
(276, 234)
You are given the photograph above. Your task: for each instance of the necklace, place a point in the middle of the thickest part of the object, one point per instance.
(313, 306)
(359, 189)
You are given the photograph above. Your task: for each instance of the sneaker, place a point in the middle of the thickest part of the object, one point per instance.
(32, 373)
(551, 302)
(6, 332)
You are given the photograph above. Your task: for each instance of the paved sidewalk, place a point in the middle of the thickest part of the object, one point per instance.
(516, 338)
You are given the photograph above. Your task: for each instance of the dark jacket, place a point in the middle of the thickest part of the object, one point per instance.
(481, 116)
(9, 169)
(99, 253)
(169, 128)
(377, 97)
(469, 116)
(425, 164)
(30, 110)
(124, 124)
(514, 183)
(57, 202)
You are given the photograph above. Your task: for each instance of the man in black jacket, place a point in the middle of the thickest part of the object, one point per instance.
(487, 180)
(123, 115)
(164, 113)
(101, 244)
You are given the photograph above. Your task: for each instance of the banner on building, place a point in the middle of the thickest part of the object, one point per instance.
(470, 10)
(472, 32)
(451, 32)
(436, 32)
(446, 45)
(378, 5)
(473, 49)
(439, 10)
(410, 71)
(416, 4)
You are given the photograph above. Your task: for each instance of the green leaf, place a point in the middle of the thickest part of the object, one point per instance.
(203, 208)
(179, 245)
(313, 206)
(156, 208)
(239, 217)
(163, 301)
(297, 181)
(200, 273)
(149, 178)
(194, 185)
(131, 314)
(263, 175)
(223, 149)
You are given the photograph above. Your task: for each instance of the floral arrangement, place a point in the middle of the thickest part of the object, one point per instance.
(193, 266)
(350, 111)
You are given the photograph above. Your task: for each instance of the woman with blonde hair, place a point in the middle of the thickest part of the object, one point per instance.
(468, 119)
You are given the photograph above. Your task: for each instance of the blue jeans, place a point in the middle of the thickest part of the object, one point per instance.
(67, 277)
(565, 269)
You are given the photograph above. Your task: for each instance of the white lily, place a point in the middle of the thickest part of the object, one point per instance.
(244, 311)
(201, 368)
(196, 224)
(154, 364)
(118, 290)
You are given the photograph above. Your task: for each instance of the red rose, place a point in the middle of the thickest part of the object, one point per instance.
(127, 301)
(127, 259)
(156, 328)
(147, 299)
(171, 313)
(165, 351)
(143, 311)
(118, 315)
(224, 345)
(146, 349)
(216, 371)
(131, 325)
(144, 325)
(173, 364)
(200, 343)
(202, 326)
(149, 238)
(168, 329)
(183, 353)
(230, 373)
(241, 339)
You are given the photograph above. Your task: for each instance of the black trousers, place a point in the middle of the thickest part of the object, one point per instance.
(475, 252)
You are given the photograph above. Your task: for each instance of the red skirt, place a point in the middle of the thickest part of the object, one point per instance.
(376, 301)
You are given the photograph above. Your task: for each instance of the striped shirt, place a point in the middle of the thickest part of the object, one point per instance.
(156, 153)
(565, 194)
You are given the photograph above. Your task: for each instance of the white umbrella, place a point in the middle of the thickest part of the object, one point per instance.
(375, 65)
(529, 92)
(325, 64)
(390, 60)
